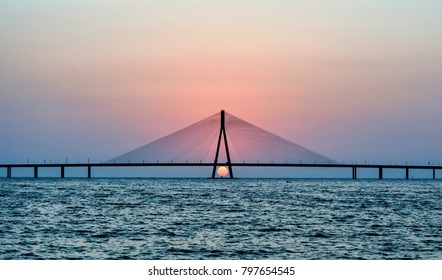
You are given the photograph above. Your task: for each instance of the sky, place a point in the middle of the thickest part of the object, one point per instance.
(356, 81)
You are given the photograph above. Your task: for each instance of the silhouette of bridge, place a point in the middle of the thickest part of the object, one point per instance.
(353, 167)
(222, 140)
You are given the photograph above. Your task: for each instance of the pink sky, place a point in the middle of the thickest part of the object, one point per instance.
(95, 79)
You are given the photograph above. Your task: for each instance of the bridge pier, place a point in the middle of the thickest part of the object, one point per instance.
(222, 132)
(381, 175)
(35, 172)
(62, 171)
(354, 176)
(9, 172)
(407, 173)
(89, 171)
(434, 173)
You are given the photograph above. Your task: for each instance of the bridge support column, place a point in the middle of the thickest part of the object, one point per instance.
(381, 175)
(222, 132)
(355, 175)
(407, 173)
(62, 171)
(434, 173)
(89, 172)
(35, 172)
(9, 172)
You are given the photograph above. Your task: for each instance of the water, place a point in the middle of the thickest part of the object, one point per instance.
(220, 219)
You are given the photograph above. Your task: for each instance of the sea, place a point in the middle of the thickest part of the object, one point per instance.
(203, 219)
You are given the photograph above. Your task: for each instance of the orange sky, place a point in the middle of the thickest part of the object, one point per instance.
(351, 81)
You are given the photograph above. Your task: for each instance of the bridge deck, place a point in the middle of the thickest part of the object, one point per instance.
(89, 166)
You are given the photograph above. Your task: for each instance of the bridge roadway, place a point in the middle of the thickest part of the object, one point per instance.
(353, 167)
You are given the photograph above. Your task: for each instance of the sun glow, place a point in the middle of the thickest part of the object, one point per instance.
(223, 171)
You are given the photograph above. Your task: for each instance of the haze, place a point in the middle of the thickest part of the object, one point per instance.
(352, 80)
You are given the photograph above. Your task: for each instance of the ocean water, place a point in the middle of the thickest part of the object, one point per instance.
(220, 219)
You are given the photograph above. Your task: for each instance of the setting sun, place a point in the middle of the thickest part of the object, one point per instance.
(223, 171)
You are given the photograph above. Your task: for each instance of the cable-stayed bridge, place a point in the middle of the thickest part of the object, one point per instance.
(222, 141)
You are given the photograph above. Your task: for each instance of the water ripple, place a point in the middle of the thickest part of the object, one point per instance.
(220, 219)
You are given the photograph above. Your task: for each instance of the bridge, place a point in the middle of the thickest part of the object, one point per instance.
(222, 140)
(353, 167)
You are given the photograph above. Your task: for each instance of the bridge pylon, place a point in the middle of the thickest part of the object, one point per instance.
(222, 133)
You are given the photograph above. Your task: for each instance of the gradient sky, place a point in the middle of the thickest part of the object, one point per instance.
(353, 80)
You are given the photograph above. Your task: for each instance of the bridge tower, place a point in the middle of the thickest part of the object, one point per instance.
(222, 133)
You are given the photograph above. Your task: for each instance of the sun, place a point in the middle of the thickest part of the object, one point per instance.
(223, 171)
